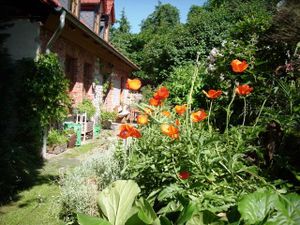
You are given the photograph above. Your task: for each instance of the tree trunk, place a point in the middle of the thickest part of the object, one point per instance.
(44, 148)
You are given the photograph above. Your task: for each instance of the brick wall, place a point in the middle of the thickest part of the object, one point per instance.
(78, 91)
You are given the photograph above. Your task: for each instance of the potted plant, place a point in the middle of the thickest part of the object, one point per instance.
(86, 106)
(107, 118)
(57, 142)
(71, 138)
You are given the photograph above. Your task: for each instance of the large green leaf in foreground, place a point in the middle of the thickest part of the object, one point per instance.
(270, 208)
(116, 201)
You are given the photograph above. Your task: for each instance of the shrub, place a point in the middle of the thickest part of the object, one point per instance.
(105, 116)
(86, 106)
(80, 187)
(56, 137)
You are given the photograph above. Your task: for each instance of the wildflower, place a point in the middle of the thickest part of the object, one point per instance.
(177, 122)
(244, 89)
(238, 66)
(154, 102)
(134, 84)
(142, 119)
(166, 113)
(170, 130)
(127, 131)
(213, 94)
(184, 175)
(198, 116)
(180, 109)
(161, 93)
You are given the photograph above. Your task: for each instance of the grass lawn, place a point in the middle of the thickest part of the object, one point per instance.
(38, 205)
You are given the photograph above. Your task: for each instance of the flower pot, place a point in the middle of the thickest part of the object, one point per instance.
(72, 141)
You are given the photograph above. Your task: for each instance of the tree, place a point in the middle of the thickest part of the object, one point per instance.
(121, 36)
(124, 26)
(165, 16)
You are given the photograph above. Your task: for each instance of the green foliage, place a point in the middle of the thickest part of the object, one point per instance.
(106, 116)
(80, 187)
(116, 201)
(218, 165)
(48, 89)
(165, 16)
(180, 87)
(86, 106)
(270, 207)
(56, 137)
(89, 220)
(124, 26)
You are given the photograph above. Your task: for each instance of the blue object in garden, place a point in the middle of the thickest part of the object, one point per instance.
(96, 131)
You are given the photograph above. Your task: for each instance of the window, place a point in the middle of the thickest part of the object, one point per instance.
(71, 70)
(87, 77)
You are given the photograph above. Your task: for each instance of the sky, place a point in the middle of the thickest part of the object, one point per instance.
(137, 10)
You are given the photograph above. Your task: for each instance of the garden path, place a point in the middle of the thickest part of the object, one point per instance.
(37, 205)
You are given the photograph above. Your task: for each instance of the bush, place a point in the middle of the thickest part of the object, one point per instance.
(80, 187)
(106, 116)
(56, 137)
(86, 106)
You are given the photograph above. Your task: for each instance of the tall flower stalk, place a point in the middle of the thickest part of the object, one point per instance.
(190, 97)
(245, 111)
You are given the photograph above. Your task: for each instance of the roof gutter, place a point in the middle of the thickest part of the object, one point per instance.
(100, 41)
(59, 29)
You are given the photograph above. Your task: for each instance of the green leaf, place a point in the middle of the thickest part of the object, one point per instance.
(116, 201)
(288, 211)
(90, 220)
(187, 213)
(134, 220)
(204, 218)
(146, 212)
(165, 221)
(255, 207)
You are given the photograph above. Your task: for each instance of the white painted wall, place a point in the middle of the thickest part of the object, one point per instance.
(23, 40)
(116, 91)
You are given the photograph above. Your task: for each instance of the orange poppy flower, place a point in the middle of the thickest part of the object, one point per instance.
(213, 94)
(238, 66)
(244, 89)
(166, 113)
(177, 122)
(180, 109)
(127, 131)
(198, 116)
(170, 130)
(154, 102)
(161, 93)
(134, 84)
(183, 175)
(142, 119)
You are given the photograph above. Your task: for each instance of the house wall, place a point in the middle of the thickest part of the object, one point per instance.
(116, 95)
(64, 47)
(23, 38)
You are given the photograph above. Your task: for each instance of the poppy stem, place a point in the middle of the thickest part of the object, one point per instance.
(260, 111)
(190, 97)
(210, 107)
(229, 111)
(245, 111)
